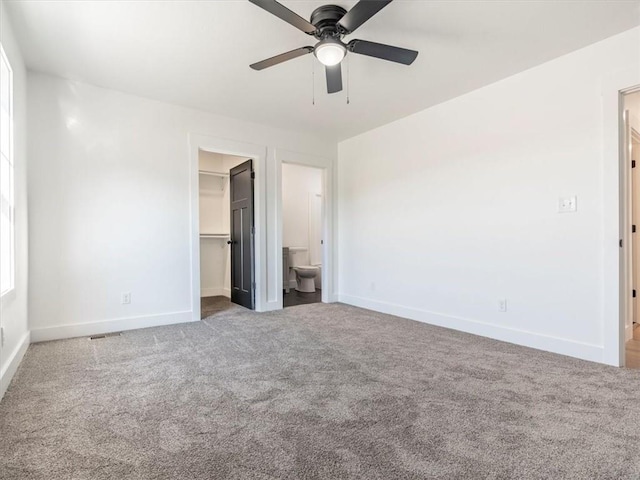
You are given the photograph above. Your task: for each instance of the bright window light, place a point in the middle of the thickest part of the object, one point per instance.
(7, 194)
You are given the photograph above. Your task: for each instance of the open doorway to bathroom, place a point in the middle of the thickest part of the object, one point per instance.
(219, 238)
(631, 158)
(302, 229)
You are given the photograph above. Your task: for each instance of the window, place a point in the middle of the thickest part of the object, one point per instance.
(7, 219)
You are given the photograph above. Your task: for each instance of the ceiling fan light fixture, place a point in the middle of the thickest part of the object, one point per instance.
(330, 51)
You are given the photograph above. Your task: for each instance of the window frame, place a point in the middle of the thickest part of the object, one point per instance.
(12, 194)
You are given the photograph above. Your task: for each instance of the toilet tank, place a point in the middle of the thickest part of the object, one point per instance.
(298, 256)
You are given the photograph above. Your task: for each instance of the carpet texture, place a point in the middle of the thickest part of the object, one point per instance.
(314, 392)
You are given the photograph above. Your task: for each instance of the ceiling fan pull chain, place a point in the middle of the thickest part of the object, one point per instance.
(313, 82)
(348, 78)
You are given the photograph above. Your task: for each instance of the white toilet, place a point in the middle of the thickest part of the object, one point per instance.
(305, 273)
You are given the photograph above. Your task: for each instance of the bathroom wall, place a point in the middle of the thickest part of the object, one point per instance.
(298, 183)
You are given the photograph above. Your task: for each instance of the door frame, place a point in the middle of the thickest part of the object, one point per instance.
(329, 250)
(626, 222)
(228, 147)
(633, 134)
(615, 207)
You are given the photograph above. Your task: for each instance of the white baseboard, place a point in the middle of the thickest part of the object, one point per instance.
(106, 326)
(270, 306)
(562, 346)
(215, 292)
(10, 368)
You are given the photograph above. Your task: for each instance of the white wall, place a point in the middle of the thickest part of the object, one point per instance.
(109, 204)
(13, 309)
(446, 211)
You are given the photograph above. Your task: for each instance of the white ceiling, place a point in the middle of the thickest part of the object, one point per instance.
(197, 53)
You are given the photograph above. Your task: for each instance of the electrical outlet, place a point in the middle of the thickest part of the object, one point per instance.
(502, 305)
(126, 298)
(567, 204)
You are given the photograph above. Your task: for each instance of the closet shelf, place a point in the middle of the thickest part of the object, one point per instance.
(213, 174)
(214, 235)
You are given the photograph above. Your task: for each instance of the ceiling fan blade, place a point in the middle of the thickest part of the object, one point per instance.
(385, 52)
(283, 57)
(361, 12)
(285, 14)
(334, 78)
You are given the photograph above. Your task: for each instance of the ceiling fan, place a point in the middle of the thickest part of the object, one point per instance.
(329, 24)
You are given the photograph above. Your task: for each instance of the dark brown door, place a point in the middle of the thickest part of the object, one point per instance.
(242, 235)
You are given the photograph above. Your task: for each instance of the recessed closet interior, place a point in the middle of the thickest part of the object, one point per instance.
(214, 221)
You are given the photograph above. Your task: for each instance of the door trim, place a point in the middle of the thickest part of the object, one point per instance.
(627, 286)
(614, 211)
(229, 147)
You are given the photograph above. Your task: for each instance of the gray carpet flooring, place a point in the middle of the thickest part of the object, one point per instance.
(314, 392)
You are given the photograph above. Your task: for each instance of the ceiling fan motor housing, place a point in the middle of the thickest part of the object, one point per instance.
(325, 19)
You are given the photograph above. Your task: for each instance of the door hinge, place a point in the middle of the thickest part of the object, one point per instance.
(253, 175)
(633, 229)
(620, 243)
(253, 285)
(253, 230)
(633, 164)
(634, 293)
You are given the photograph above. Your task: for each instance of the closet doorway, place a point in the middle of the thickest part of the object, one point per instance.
(226, 230)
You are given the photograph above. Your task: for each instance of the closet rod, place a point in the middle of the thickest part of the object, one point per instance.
(214, 235)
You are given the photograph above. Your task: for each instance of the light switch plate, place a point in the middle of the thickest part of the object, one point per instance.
(502, 305)
(567, 204)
